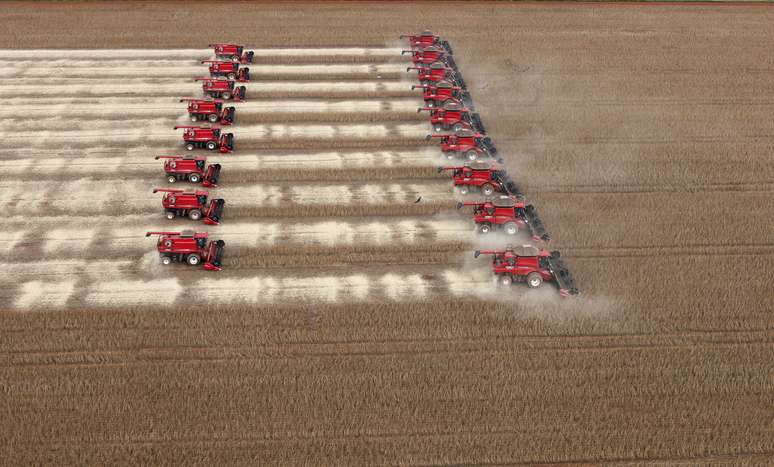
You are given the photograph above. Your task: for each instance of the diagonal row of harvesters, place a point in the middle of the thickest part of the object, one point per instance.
(461, 135)
(189, 246)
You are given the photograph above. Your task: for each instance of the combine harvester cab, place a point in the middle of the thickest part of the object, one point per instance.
(509, 214)
(209, 109)
(436, 95)
(467, 143)
(221, 88)
(427, 39)
(206, 137)
(191, 204)
(191, 168)
(454, 116)
(189, 247)
(481, 176)
(230, 70)
(533, 269)
(233, 52)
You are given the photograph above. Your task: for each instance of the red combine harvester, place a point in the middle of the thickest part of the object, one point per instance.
(435, 95)
(427, 39)
(508, 213)
(430, 55)
(481, 176)
(438, 71)
(467, 143)
(220, 88)
(209, 109)
(207, 137)
(233, 52)
(191, 168)
(192, 204)
(454, 116)
(228, 70)
(189, 247)
(534, 269)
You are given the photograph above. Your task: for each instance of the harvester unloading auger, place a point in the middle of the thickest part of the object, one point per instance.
(189, 247)
(533, 269)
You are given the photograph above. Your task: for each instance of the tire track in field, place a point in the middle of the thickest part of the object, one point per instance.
(121, 197)
(384, 348)
(238, 167)
(100, 236)
(62, 113)
(176, 88)
(142, 133)
(748, 186)
(97, 69)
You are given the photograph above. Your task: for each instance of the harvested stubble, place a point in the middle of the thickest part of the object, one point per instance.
(323, 211)
(292, 255)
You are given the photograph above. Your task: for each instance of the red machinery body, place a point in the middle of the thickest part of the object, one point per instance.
(435, 72)
(509, 214)
(191, 204)
(207, 137)
(481, 176)
(428, 55)
(454, 116)
(230, 70)
(233, 52)
(221, 88)
(191, 168)
(436, 94)
(533, 269)
(209, 109)
(468, 143)
(189, 247)
(426, 39)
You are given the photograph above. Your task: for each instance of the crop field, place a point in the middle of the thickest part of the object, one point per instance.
(351, 323)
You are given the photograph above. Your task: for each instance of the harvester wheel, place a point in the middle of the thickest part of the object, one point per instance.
(194, 118)
(189, 146)
(471, 155)
(534, 280)
(485, 228)
(506, 279)
(438, 127)
(170, 215)
(213, 118)
(194, 178)
(193, 259)
(231, 76)
(166, 260)
(235, 58)
(487, 189)
(511, 228)
(459, 126)
(430, 103)
(171, 179)
(464, 190)
(226, 95)
(195, 214)
(212, 145)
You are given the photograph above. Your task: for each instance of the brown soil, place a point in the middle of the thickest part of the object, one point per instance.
(643, 133)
